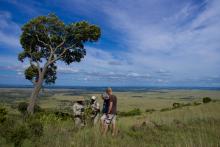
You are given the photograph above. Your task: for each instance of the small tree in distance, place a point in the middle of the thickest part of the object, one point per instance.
(46, 40)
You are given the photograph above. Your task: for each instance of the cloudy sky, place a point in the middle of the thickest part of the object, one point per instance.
(143, 42)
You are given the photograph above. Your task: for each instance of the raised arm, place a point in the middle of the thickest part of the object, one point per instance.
(110, 106)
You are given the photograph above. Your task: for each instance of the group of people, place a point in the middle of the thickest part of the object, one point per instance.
(107, 116)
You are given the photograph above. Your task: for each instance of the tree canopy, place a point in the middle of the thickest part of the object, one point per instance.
(47, 39)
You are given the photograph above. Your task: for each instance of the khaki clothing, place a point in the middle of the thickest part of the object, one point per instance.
(95, 106)
(78, 109)
(109, 119)
(96, 110)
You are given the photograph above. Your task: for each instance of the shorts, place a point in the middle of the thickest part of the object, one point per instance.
(103, 117)
(111, 119)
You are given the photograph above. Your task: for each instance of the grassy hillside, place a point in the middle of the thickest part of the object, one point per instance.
(190, 125)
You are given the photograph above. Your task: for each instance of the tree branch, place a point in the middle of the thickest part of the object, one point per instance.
(42, 41)
(60, 45)
(38, 65)
(60, 56)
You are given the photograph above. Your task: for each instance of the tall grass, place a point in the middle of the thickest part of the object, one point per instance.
(196, 125)
(190, 126)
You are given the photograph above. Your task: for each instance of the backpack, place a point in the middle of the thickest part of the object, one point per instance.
(105, 105)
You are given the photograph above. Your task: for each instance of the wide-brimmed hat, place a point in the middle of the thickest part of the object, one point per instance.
(93, 97)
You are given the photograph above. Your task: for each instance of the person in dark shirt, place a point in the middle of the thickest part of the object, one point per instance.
(111, 115)
(105, 98)
(105, 106)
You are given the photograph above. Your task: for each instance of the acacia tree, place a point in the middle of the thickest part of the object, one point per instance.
(46, 40)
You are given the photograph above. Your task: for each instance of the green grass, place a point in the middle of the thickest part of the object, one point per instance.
(195, 125)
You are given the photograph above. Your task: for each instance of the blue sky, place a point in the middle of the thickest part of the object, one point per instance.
(143, 42)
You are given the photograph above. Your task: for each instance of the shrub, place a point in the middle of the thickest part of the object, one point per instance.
(150, 110)
(18, 135)
(6, 128)
(187, 104)
(176, 105)
(165, 109)
(14, 132)
(36, 128)
(133, 112)
(37, 108)
(49, 118)
(196, 103)
(62, 115)
(206, 99)
(3, 114)
(22, 107)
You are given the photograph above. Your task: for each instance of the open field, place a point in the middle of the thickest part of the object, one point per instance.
(191, 125)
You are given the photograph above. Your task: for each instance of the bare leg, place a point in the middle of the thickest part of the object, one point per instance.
(113, 129)
(102, 125)
(96, 119)
(106, 129)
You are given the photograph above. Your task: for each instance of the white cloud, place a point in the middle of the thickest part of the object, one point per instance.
(9, 31)
(166, 41)
(184, 41)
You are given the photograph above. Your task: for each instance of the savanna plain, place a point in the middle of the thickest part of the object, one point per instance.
(160, 117)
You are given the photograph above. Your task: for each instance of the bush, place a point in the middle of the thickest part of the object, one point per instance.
(165, 109)
(133, 112)
(22, 108)
(36, 128)
(187, 104)
(179, 105)
(18, 135)
(49, 118)
(6, 128)
(206, 99)
(196, 103)
(176, 105)
(150, 110)
(62, 115)
(3, 114)
(14, 132)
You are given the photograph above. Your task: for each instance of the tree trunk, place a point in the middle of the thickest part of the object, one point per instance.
(34, 94)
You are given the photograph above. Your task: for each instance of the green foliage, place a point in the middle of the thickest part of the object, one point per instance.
(150, 110)
(3, 114)
(206, 99)
(187, 104)
(165, 109)
(176, 105)
(196, 103)
(49, 118)
(36, 128)
(31, 73)
(179, 105)
(13, 131)
(50, 76)
(46, 39)
(19, 134)
(133, 112)
(63, 115)
(16, 131)
(22, 108)
(6, 128)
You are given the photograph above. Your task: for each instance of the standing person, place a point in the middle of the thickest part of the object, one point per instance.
(95, 109)
(111, 115)
(78, 112)
(105, 98)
